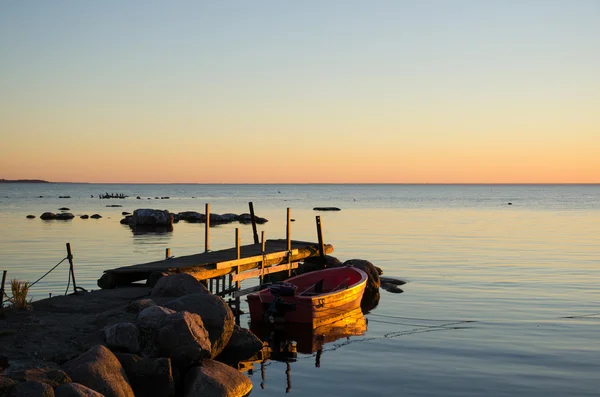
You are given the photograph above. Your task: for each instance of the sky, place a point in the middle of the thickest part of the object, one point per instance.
(328, 91)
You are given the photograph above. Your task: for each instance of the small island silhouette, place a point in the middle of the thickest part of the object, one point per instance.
(23, 181)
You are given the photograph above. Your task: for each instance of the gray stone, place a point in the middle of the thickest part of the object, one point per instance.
(139, 305)
(215, 379)
(215, 313)
(51, 376)
(183, 338)
(100, 370)
(123, 336)
(242, 345)
(64, 216)
(148, 376)
(192, 217)
(48, 215)
(151, 217)
(6, 385)
(177, 285)
(75, 390)
(153, 317)
(154, 277)
(32, 389)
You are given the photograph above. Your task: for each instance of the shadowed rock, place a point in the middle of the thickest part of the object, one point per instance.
(123, 337)
(183, 338)
(64, 216)
(100, 370)
(216, 315)
(242, 345)
(216, 379)
(177, 285)
(153, 317)
(75, 390)
(31, 388)
(148, 376)
(48, 215)
(52, 376)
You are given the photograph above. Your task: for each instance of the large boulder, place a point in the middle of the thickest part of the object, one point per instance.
(48, 215)
(52, 376)
(371, 296)
(150, 217)
(153, 317)
(75, 390)
(247, 218)
(318, 263)
(64, 216)
(242, 345)
(192, 217)
(216, 315)
(6, 385)
(148, 376)
(177, 285)
(183, 338)
(123, 337)
(100, 370)
(139, 305)
(32, 389)
(215, 379)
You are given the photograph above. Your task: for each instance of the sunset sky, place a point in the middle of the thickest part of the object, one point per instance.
(298, 92)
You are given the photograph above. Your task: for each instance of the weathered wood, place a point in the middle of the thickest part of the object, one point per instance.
(268, 270)
(208, 265)
(167, 253)
(254, 232)
(71, 269)
(207, 228)
(2, 288)
(320, 237)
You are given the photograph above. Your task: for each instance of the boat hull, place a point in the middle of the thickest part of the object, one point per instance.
(315, 308)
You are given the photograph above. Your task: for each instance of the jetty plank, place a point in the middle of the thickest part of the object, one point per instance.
(208, 265)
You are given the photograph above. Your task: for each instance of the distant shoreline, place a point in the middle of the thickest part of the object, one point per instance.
(23, 181)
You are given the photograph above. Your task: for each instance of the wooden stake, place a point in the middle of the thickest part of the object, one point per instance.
(254, 232)
(289, 238)
(167, 253)
(207, 228)
(320, 237)
(71, 270)
(2, 289)
(262, 251)
(238, 242)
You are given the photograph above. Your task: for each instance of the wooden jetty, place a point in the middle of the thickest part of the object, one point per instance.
(240, 262)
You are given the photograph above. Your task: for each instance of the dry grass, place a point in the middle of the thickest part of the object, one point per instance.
(20, 289)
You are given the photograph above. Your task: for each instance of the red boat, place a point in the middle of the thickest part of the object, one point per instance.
(315, 297)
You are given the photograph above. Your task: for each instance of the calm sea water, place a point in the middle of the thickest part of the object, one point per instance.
(502, 300)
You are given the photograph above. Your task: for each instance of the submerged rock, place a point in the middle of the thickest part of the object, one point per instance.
(65, 216)
(326, 209)
(48, 215)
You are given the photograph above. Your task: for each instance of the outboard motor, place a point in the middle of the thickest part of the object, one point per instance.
(279, 307)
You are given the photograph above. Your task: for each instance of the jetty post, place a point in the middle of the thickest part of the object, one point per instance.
(320, 237)
(254, 232)
(288, 234)
(207, 228)
(167, 253)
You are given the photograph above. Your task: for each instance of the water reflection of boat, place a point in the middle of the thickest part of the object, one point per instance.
(310, 338)
(314, 298)
(283, 341)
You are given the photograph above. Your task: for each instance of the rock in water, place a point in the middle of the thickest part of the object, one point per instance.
(216, 379)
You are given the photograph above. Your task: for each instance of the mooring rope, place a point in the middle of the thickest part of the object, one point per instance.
(48, 272)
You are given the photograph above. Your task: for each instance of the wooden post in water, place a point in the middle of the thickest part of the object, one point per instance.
(262, 252)
(254, 232)
(71, 270)
(320, 237)
(2, 289)
(288, 233)
(207, 228)
(167, 253)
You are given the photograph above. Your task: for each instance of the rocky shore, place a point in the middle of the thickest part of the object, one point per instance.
(138, 341)
(170, 337)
